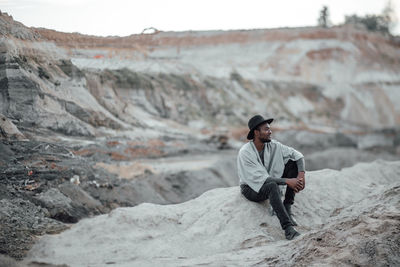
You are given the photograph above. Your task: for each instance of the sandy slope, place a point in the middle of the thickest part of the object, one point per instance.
(347, 217)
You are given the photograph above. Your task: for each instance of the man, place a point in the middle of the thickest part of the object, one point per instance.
(263, 164)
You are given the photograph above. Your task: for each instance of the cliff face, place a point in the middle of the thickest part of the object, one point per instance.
(94, 86)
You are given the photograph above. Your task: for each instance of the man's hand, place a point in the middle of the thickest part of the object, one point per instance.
(301, 177)
(295, 183)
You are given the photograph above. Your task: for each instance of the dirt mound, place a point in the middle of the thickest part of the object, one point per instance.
(350, 217)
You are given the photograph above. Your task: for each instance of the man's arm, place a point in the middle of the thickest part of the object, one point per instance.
(299, 185)
(279, 181)
(289, 153)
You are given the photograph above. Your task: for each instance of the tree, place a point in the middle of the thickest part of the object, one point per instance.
(375, 23)
(379, 23)
(389, 15)
(323, 17)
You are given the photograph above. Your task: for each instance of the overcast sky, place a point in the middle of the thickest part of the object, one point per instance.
(124, 17)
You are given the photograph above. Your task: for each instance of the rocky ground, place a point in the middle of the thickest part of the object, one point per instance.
(47, 186)
(347, 218)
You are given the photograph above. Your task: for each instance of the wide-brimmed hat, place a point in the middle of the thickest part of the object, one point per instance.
(254, 122)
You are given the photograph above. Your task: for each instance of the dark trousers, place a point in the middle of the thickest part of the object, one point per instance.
(271, 191)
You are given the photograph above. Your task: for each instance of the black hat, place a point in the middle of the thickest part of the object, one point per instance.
(254, 122)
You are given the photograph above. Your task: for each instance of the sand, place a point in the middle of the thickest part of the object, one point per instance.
(346, 217)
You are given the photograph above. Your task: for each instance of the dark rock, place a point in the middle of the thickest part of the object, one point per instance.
(20, 221)
(58, 205)
(41, 264)
(70, 69)
(6, 154)
(43, 73)
(81, 198)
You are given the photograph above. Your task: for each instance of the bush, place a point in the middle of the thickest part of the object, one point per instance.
(376, 23)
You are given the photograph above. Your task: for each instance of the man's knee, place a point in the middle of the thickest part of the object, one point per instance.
(271, 187)
(291, 164)
(290, 170)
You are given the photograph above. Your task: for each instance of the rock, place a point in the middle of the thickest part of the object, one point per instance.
(9, 131)
(375, 140)
(81, 198)
(34, 192)
(337, 158)
(306, 141)
(177, 179)
(6, 155)
(6, 261)
(10, 27)
(91, 92)
(357, 223)
(41, 264)
(75, 179)
(59, 206)
(24, 99)
(220, 140)
(20, 222)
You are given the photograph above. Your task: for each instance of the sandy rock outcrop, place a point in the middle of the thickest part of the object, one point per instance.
(350, 217)
(337, 158)
(9, 131)
(11, 28)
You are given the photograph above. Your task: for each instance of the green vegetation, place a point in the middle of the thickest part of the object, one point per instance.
(375, 23)
(383, 22)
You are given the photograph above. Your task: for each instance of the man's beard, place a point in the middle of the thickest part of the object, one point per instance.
(266, 140)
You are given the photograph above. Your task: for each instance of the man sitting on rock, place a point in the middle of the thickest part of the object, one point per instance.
(263, 164)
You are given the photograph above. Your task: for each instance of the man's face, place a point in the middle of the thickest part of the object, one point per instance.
(264, 133)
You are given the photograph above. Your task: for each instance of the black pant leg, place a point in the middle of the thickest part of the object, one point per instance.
(269, 191)
(274, 196)
(251, 195)
(290, 171)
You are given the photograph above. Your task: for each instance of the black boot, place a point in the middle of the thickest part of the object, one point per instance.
(291, 233)
(288, 208)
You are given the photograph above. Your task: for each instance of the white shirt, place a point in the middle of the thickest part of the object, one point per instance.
(252, 172)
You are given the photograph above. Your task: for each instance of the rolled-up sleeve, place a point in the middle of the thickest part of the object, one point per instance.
(301, 165)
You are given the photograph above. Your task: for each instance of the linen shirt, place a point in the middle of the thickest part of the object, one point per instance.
(253, 172)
